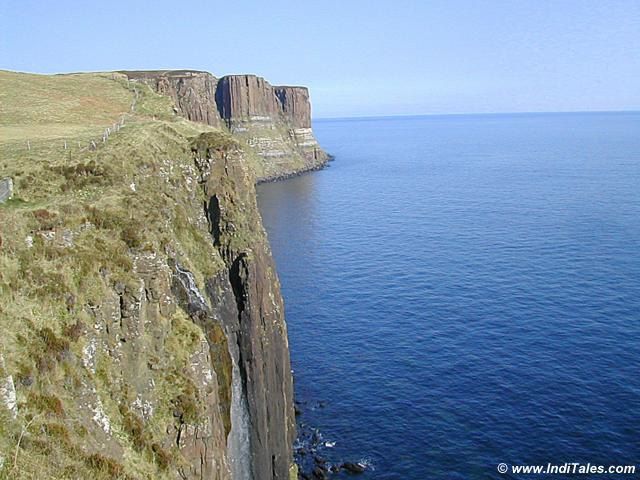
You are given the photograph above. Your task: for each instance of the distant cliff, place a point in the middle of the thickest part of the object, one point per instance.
(274, 122)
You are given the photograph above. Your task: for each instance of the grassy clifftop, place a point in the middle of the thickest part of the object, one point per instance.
(85, 241)
(50, 107)
(111, 191)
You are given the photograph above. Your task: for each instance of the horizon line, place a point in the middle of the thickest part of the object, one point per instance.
(458, 114)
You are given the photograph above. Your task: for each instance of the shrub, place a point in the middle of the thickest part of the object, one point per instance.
(60, 433)
(49, 350)
(82, 175)
(46, 220)
(162, 457)
(105, 465)
(55, 347)
(74, 331)
(187, 403)
(134, 427)
(131, 236)
(48, 404)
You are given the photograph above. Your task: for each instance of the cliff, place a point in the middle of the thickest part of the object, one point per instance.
(273, 122)
(143, 326)
(193, 93)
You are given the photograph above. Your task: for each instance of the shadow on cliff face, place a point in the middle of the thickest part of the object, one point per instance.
(213, 212)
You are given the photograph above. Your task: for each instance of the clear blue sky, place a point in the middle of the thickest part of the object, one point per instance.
(358, 57)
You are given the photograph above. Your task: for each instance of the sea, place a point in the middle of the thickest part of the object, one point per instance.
(463, 291)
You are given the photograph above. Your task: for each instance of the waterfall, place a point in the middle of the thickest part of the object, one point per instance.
(238, 443)
(238, 440)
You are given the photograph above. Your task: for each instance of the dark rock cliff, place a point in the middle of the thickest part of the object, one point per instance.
(274, 122)
(295, 105)
(256, 320)
(247, 98)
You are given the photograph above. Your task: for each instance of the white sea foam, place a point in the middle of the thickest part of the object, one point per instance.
(367, 463)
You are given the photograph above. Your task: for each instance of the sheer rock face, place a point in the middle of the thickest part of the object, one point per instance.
(274, 122)
(258, 327)
(247, 98)
(194, 96)
(295, 105)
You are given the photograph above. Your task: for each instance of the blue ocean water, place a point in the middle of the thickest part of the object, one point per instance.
(463, 291)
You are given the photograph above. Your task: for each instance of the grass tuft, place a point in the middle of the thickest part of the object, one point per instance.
(47, 404)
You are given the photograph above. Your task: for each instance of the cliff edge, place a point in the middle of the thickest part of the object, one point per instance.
(143, 326)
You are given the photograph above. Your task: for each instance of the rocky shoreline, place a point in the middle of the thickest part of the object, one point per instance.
(312, 451)
(297, 173)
